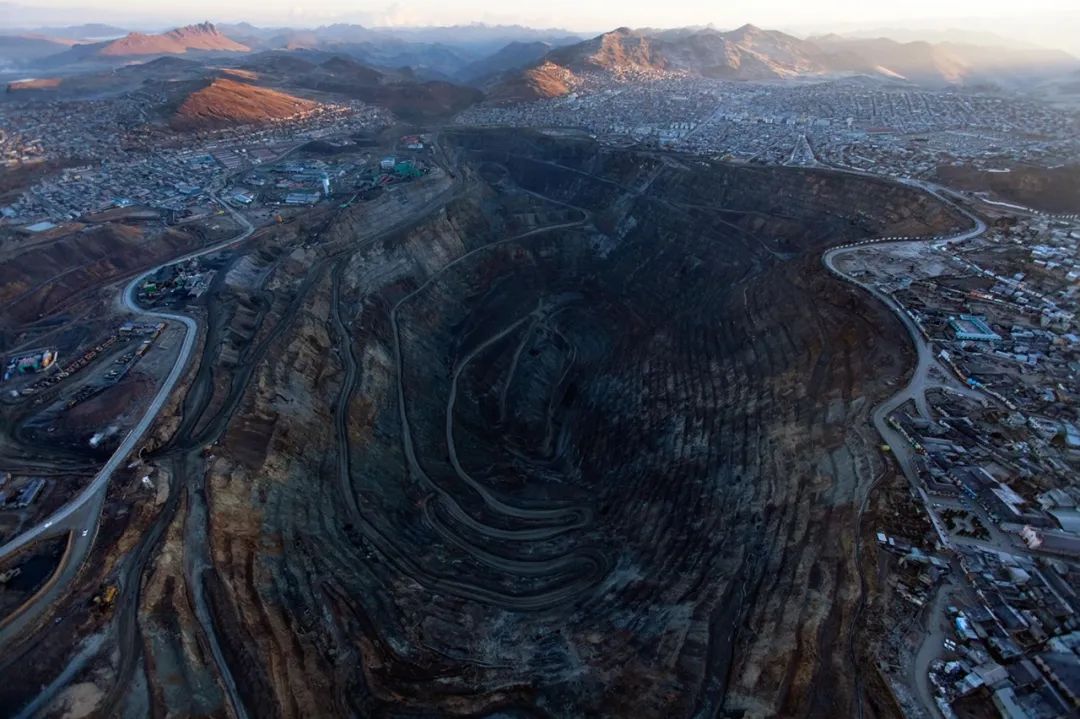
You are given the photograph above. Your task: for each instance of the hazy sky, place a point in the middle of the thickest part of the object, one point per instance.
(1056, 22)
(572, 14)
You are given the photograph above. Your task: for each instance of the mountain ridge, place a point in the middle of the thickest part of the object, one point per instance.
(752, 53)
(203, 36)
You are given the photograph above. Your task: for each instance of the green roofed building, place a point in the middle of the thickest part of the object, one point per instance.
(973, 328)
(407, 169)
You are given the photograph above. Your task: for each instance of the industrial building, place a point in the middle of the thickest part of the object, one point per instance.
(30, 363)
(1062, 543)
(301, 198)
(1063, 671)
(407, 169)
(26, 496)
(39, 227)
(973, 328)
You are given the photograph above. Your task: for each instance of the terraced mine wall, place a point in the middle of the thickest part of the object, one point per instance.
(588, 440)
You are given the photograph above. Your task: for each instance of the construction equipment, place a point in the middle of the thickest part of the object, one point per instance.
(106, 597)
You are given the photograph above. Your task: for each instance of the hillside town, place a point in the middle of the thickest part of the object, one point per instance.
(857, 123)
(117, 159)
(993, 571)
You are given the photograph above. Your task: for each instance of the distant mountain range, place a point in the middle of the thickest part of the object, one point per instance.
(400, 90)
(89, 31)
(204, 37)
(476, 40)
(460, 54)
(191, 38)
(515, 56)
(949, 63)
(515, 63)
(219, 88)
(32, 47)
(750, 53)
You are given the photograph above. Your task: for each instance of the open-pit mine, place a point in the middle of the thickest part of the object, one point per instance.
(559, 430)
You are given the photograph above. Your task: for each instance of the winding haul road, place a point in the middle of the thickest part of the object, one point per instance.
(920, 381)
(80, 516)
(551, 520)
(915, 390)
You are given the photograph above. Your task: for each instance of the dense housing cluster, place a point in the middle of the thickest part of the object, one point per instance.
(118, 158)
(898, 130)
(995, 568)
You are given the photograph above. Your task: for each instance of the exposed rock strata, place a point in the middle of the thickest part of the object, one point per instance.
(587, 441)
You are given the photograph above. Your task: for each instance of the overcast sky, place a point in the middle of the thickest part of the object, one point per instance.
(1052, 21)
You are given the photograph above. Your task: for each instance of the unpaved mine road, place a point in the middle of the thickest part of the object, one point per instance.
(915, 390)
(81, 515)
(445, 587)
(560, 519)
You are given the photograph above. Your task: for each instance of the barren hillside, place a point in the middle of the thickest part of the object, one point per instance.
(229, 102)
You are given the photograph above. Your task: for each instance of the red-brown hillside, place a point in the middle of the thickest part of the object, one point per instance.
(536, 83)
(227, 102)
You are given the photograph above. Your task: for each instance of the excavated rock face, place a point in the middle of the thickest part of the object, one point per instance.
(587, 442)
